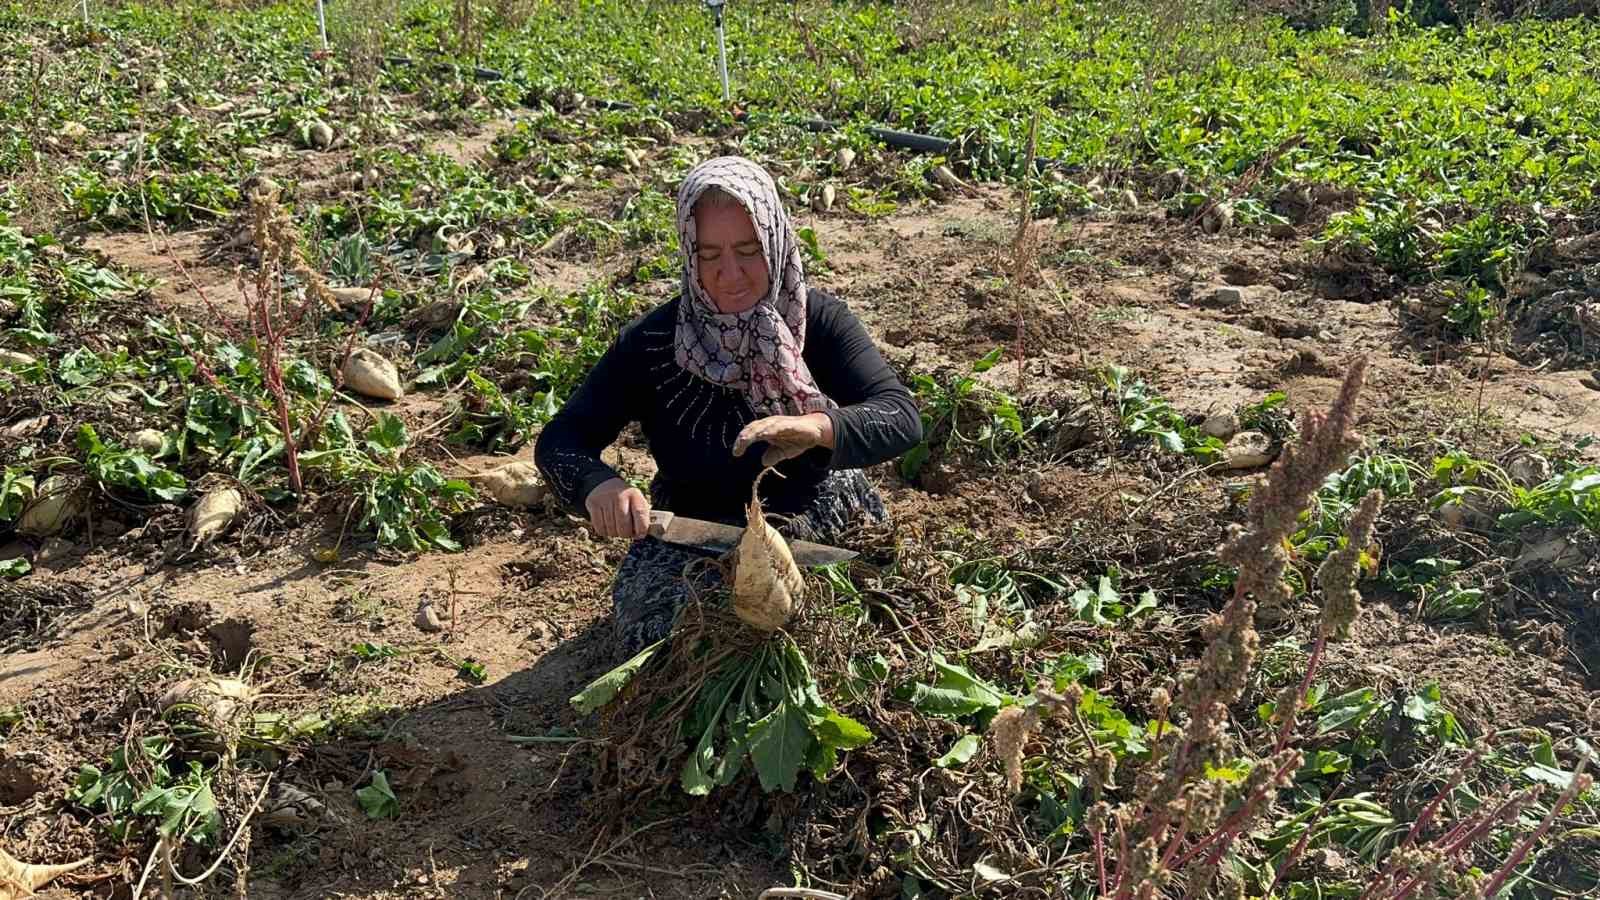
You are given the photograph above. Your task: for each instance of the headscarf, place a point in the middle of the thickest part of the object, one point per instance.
(757, 351)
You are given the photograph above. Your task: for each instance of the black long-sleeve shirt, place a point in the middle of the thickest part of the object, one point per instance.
(690, 424)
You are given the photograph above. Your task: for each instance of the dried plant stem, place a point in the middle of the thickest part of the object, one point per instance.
(1305, 839)
(1257, 550)
(1100, 860)
(1222, 838)
(1292, 716)
(1428, 811)
(1580, 783)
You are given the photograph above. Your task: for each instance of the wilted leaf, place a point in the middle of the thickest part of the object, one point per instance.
(603, 689)
(960, 753)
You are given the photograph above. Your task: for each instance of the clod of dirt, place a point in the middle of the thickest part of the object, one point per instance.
(1552, 550)
(26, 428)
(1218, 218)
(1529, 469)
(844, 159)
(148, 440)
(1467, 512)
(1222, 425)
(1249, 450)
(58, 504)
(15, 359)
(21, 777)
(19, 879)
(212, 515)
(766, 580)
(371, 374)
(291, 809)
(1226, 297)
(437, 314)
(428, 617)
(54, 550)
(514, 484)
(219, 699)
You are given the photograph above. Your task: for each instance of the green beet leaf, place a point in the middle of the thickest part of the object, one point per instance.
(603, 689)
(779, 745)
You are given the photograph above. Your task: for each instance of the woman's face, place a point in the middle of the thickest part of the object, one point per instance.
(733, 270)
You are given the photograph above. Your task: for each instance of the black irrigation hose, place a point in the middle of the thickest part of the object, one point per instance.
(903, 140)
(478, 72)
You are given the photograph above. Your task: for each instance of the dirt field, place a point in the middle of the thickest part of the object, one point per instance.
(487, 811)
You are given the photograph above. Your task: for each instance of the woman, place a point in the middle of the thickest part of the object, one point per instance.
(747, 367)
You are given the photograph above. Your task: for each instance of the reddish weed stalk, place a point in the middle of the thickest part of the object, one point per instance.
(272, 321)
(1175, 821)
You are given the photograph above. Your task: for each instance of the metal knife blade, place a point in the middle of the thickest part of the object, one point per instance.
(676, 529)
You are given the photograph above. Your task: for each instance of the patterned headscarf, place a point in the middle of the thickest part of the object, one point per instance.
(759, 350)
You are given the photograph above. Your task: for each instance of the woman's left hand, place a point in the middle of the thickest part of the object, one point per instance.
(786, 436)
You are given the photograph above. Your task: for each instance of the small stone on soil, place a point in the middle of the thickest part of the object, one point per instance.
(55, 549)
(1530, 469)
(1222, 425)
(1226, 296)
(428, 617)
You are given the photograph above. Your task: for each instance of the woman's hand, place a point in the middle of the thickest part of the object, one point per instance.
(785, 436)
(617, 509)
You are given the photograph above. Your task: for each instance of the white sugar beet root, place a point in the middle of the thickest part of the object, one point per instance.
(514, 484)
(371, 374)
(58, 503)
(19, 879)
(766, 581)
(215, 511)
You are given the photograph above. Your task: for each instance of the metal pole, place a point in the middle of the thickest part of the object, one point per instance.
(322, 25)
(722, 56)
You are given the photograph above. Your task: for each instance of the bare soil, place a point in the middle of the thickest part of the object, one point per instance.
(483, 815)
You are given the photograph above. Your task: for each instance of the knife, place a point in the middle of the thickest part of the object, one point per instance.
(676, 529)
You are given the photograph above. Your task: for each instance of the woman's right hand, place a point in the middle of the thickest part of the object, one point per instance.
(617, 509)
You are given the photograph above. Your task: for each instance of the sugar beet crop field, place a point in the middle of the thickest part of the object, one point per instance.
(1252, 548)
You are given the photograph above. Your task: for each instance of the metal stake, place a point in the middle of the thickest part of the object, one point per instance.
(322, 25)
(722, 48)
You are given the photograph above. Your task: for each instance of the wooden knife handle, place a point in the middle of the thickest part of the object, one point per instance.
(659, 520)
